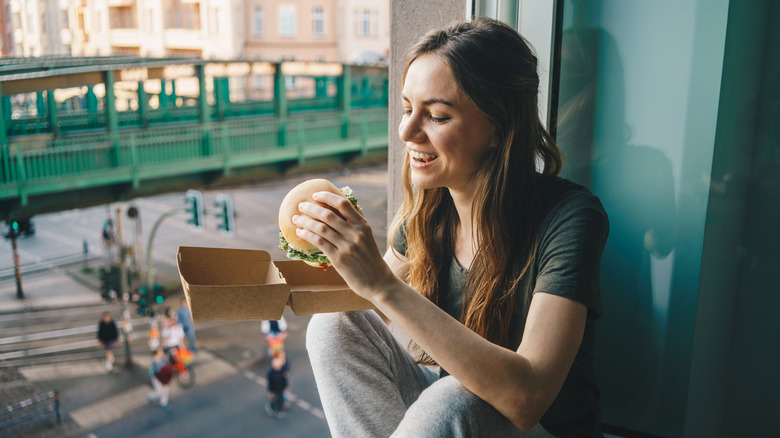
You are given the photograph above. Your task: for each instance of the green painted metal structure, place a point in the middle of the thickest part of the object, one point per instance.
(59, 158)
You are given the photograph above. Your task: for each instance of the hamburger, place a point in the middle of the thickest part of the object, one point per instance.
(297, 248)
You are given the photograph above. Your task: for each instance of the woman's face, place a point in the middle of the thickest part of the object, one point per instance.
(446, 136)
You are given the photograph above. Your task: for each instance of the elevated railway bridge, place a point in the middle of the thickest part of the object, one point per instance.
(78, 132)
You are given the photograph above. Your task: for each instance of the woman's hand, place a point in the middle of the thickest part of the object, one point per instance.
(345, 237)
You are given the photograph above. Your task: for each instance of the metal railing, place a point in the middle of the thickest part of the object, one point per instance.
(31, 409)
(51, 164)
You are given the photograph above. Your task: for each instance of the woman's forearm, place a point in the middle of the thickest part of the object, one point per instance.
(501, 377)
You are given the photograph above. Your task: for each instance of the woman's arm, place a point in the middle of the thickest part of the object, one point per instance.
(520, 384)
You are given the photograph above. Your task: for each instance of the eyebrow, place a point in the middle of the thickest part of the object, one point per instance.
(432, 101)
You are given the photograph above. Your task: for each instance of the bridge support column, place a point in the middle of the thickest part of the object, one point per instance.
(112, 119)
(52, 111)
(92, 105)
(280, 104)
(4, 108)
(345, 99)
(40, 104)
(221, 96)
(5, 156)
(204, 111)
(143, 106)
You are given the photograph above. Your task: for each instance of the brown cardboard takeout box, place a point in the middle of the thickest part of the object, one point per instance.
(223, 284)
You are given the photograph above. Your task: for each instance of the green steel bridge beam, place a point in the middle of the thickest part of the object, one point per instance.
(51, 104)
(280, 103)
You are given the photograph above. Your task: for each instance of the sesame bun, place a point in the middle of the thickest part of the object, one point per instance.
(289, 207)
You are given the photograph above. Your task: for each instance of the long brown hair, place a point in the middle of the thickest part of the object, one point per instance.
(496, 69)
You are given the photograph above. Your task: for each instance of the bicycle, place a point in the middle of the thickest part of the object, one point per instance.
(182, 370)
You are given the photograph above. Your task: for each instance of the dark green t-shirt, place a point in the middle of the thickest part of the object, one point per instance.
(572, 235)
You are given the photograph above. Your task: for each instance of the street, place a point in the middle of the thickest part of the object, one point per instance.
(49, 336)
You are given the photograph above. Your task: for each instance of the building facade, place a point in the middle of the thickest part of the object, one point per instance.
(274, 30)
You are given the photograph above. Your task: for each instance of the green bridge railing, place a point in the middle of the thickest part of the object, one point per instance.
(79, 161)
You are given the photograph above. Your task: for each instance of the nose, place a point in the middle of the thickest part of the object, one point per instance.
(409, 130)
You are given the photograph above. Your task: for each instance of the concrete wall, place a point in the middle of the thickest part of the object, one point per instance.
(409, 20)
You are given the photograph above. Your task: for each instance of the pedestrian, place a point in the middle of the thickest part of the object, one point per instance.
(275, 333)
(278, 383)
(184, 318)
(171, 334)
(107, 334)
(161, 373)
(492, 270)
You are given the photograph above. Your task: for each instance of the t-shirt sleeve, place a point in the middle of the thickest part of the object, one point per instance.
(570, 245)
(399, 239)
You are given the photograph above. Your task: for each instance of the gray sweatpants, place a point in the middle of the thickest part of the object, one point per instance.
(370, 386)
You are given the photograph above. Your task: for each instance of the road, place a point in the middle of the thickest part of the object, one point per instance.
(49, 337)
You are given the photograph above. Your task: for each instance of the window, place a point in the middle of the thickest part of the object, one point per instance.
(215, 22)
(318, 21)
(43, 23)
(65, 19)
(258, 31)
(365, 23)
(287, 20)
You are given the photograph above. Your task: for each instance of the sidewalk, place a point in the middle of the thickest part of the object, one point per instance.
(89, 396)
(70, 288)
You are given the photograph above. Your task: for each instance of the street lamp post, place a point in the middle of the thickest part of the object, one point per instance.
(123, 294)
(17, 269)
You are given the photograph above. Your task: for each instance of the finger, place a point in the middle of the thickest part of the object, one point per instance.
(341, 204)
(322, 213)
(316, 238)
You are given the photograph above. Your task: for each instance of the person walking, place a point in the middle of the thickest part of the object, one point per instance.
(161, 373)
(278, 383)
(172, 333)
(275, 333)
(184, 318)
(492, 268)
(107, 334)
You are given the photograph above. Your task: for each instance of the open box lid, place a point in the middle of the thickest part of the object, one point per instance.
(315, 290)
(223, 284)
(231, 284)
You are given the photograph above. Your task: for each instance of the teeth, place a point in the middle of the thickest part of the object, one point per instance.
(421, 155)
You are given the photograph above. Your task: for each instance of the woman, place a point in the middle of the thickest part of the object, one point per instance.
(493, 271)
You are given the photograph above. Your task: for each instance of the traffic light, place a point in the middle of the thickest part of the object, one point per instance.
(194, 206)
(109, 281)
(159, 293)
(225, 215)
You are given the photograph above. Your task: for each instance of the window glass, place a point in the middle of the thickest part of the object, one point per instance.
(674, 127)
(287, 20)
(318, 21)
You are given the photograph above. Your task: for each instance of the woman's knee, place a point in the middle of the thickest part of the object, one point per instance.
(329, 331)
(448, 409)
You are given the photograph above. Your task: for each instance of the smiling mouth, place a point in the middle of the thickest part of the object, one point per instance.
(421, 157)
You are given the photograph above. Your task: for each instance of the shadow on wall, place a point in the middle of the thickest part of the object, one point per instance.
(636, 186)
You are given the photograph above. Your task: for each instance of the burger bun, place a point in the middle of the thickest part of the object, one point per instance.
(302, 193)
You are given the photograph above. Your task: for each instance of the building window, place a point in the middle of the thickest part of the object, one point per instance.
(318, 21)
(43, 23)
(215, 22)
(65, 19)
(258, 20)
(287, 20)
(365, 23)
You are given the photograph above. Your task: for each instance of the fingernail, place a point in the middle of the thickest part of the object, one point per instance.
(295, 218)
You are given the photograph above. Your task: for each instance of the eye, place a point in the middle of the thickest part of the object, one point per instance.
(437, 120)
(407, 112)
